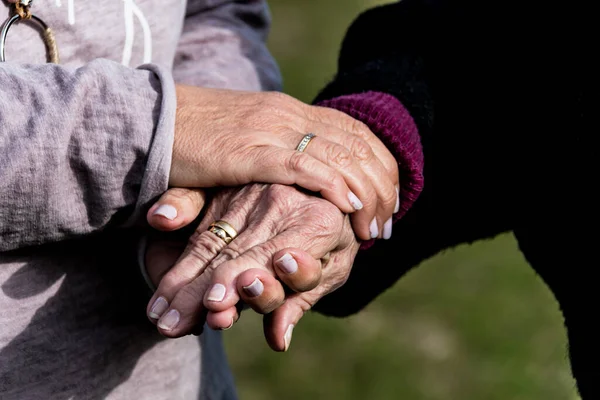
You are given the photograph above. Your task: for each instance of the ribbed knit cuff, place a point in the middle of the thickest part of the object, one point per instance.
(390, 121)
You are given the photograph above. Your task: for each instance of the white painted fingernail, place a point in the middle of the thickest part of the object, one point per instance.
(374, 229)
(255, 288)
(230, 325)
(158, 308)
(167, 211)
(387, 229)
(287, 338)
(217, 293)
(287, 264)
(169, 321)
(356, 203)
(397, 208)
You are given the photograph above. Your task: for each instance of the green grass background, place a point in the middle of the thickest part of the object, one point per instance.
(473, 323)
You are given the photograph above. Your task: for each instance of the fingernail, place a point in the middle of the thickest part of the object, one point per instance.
(387, 229)
(255, 288)
(169, 321)
(230, 325)
(356, 203)
(158, 308)
(374, 229)
(217, 293)
(167, 211)
(397, 208)
(287, 338)
(287, 264)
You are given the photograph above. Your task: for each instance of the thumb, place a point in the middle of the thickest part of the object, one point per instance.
(176, 209)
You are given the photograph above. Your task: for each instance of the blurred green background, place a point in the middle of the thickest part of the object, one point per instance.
(473, 323)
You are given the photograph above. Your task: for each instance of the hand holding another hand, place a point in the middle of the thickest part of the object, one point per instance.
(229, 138)
(285, 237)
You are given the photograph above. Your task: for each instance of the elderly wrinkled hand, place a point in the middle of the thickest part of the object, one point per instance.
(284, 233)
(232, 138)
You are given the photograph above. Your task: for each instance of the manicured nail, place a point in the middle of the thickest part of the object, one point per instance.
(356, 203)
(217, 293)
(287, 338)
(387, 229)
(397, 208)
(230, 325)
(255, 288)
(167, 211)
(374, 229)
(287, 264)
(169, 321)
(158, 308)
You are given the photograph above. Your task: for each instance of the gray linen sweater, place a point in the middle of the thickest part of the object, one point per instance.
(83, 147)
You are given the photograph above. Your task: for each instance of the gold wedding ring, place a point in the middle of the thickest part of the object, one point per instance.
(304, 142)
(223, 230)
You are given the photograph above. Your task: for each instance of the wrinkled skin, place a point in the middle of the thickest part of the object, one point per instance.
(272, 220)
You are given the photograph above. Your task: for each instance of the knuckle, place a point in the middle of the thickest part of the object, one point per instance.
(338, 156)
(230, 253)
(260, 256)
(178, 193)
(204, 246)
(298, 162)
(189, 297)
(370, 200)
(276, 192)
(360, 129)
(392, 166)
(360, 149)
(268, 304)
(388, 198)
(281, 198)
(276, 104)
(328, 223)
(308, 283)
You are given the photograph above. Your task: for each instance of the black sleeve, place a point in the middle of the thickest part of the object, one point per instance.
(425, 53)
(385, 50)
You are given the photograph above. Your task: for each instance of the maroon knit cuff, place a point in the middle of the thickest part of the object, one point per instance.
(390, 121)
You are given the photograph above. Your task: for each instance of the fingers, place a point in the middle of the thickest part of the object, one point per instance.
(223, 320)
(259, 289)
(255, 287)
(177, 303)
(346, 123)
(248, 273)
(262, 291)
(176, 208)
(382, 169)
(284, 166)
(203, 247)
(342, 160)
(299, 270)
(365, 174)
(245, 277)
(279, 325)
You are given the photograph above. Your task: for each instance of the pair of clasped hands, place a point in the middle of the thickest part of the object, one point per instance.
(298, 230)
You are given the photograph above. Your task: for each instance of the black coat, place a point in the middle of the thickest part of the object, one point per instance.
(500, 94)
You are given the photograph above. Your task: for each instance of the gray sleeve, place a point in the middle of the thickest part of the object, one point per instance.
(223, 45)
(80, 149)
